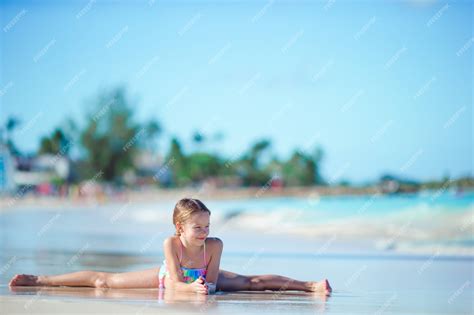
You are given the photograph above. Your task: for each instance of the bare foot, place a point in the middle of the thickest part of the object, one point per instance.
(320, 287)
(25, 281)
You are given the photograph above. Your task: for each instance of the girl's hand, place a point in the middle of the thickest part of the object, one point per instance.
(199, 286)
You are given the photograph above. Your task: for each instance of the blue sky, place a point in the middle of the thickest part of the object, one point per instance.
(381, 86)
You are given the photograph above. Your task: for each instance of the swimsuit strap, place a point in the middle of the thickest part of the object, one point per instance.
(205, 260)
(181, 252)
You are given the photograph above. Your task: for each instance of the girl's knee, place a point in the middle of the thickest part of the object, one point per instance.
(255, 283)
(101, 280)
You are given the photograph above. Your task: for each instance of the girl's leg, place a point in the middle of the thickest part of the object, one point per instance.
(125, 280)
(229, 281)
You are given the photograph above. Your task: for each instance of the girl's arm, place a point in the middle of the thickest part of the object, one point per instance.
(216, 246)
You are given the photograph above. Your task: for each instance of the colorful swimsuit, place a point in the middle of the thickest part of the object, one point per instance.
(189, 274)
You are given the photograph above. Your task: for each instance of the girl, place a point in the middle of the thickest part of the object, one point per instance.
(191, 264)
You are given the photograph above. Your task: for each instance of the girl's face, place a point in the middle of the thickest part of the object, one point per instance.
(196, 229)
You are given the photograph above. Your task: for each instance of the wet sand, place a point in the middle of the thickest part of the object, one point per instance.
(148, 301)
(362, 285)
(138, 301)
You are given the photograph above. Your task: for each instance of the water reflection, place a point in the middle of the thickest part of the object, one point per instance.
(158, 297)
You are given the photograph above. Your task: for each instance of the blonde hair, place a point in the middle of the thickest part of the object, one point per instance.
(185, 208)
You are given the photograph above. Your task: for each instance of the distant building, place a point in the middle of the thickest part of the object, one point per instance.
(41, 169)
(31, 172)
(7, 168)
(151, 168)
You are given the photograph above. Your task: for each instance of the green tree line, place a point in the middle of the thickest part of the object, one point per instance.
(111, 138)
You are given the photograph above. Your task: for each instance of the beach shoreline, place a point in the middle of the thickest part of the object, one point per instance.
(150, 195)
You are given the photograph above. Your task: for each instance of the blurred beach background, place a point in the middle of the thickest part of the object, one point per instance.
(330, 139)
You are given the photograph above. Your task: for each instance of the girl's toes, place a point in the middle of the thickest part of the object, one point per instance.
(13, 281)
(23, 280)
(321, 287)
(328, 286)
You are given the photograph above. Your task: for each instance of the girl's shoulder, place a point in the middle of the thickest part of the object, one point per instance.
(214, 242)
(171, 241)
(171, 238)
